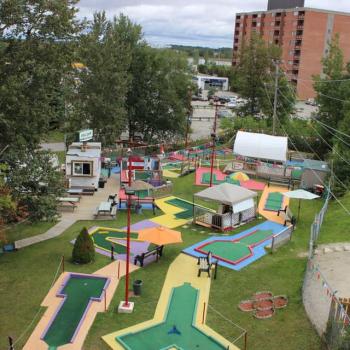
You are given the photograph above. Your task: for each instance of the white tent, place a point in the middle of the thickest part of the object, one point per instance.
(261, 146)
(227, 193)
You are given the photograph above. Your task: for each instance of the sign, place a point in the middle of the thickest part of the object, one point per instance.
(85, 135)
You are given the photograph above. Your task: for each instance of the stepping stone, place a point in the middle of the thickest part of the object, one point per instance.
(338, 249)
(347, 248)
(185, 226)
(194, 229)
(317, 252)
(202, 232)
(327, 250)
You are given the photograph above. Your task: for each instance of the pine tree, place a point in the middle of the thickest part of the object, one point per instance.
(84, 250)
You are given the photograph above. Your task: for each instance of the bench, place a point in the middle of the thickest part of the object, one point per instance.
(63, 205)
(206, 263)
(112, 213)
(278, 180)
(158, 251)
(287, 215)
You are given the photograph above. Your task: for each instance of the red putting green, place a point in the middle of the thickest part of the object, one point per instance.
(235, 251)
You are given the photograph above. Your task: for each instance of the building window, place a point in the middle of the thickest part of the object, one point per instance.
(82, 168)
(295, 13)
(290, 62)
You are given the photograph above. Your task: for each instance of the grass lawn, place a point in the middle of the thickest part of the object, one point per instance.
(54, 136)
(27, 274)
(24, 230)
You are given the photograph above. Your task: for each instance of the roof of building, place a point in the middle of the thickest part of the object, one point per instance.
(93, 150)
(226, 193)
(295, 9)
(315, 165)
(261, 146)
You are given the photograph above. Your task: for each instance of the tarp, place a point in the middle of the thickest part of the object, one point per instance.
(261, 146)
(242, 206)
(226, 193)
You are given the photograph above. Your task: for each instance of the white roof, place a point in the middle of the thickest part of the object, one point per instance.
(226, 193)
(93, 150)
(261, 146)
(301, 194)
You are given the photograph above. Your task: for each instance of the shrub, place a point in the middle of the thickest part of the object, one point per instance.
(84, 250)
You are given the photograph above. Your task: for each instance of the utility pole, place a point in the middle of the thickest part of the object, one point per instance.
(213, 137)
(276, 63)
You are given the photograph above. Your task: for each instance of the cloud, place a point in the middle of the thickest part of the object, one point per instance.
(193, 22)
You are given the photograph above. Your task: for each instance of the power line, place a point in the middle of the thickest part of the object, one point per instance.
(329, 188)
(329, 127)
(335, 135)
(314, 152)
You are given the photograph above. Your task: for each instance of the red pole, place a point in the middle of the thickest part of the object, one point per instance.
(213, 146)
(126, 304)
(203, 317)
(118, 270)
(105, 300)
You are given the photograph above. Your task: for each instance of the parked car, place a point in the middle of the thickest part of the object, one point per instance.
(232, 104)
(224, 113)
(311, 102)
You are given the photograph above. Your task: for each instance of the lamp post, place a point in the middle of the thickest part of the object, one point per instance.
(213, 137)
(126, 306)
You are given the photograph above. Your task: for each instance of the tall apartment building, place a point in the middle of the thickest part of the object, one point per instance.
(303, 34)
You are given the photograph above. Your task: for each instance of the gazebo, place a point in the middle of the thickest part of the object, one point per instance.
(236, 205)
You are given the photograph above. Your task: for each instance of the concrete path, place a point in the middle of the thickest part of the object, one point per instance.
(84, 211)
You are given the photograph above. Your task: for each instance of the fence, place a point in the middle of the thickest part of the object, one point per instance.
(325, 310)
(282, 238)
(316, 226)
(162, 191)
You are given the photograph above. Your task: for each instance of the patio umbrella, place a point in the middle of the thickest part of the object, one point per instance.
(139, 187)
(160, 235)
(239, 176)
(300, 194)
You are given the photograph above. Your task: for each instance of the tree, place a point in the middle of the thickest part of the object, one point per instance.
(332, 89)
(255, 79)
(157, 98)
(106, 51)
(84, 250)
(35, 55)
(34, 182)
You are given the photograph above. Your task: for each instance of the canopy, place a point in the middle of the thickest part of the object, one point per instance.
(300, 194)
(261, 146)
(226, 193)
(160, 235)
(139, 185)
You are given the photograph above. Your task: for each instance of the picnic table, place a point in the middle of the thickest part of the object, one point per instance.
(105, 208)
(69, 202)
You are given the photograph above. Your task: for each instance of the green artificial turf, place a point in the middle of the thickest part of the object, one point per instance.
(180, 316)
(229, 250)
(234, 251)
(78, 291)
(100, 240)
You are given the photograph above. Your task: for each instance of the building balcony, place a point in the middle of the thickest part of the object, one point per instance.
(300, 26)
(299, 37)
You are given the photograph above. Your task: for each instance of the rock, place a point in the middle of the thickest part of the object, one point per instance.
(327, 250)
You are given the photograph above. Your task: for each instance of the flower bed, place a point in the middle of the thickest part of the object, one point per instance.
(246, 306)
(280, 302)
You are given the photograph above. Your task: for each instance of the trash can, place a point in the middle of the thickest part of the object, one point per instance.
(101, 183)
(137, 287)
(138, 209)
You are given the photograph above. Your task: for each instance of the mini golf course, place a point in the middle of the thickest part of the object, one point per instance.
(240, 250)
(274, 201)
(237, 250)
(177, 330)
(105, 237)
(78, 292)
(187, 207)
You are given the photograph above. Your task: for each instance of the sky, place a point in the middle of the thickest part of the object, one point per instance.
(189, 22)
